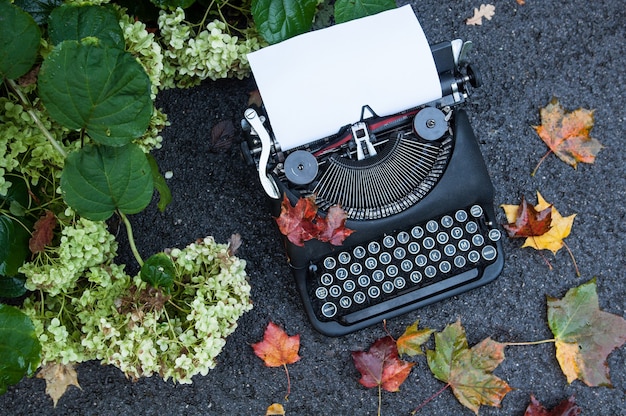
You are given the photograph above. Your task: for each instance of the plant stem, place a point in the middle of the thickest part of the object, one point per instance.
(288, 383)
(131, 238)
(38, 122)
(573, 259)
(380, 401)
(540, 161)
(418, 408)
(544, 341)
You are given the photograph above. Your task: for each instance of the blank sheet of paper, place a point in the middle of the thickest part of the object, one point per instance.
(315, 83)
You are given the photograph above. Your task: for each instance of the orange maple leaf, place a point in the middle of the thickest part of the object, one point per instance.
(278, 349)
(567, 134)
(410, 343)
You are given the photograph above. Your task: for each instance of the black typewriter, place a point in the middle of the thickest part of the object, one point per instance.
(416, 191)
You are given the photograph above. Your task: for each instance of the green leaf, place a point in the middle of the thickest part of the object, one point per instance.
(38, 9)
(101, 89)
(12, 286)
(584, 334)
(346, 10)
(173, 4)
(70, 22)
(19, 347)
(165, 195)
(159, 271)
(19, 41)
(277, 20)
(17, 197)
(13, 246)
(97, 180)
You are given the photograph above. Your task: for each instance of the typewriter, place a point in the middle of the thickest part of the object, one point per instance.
(416, 191)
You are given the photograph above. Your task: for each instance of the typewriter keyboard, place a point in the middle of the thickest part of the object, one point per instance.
(403, 267)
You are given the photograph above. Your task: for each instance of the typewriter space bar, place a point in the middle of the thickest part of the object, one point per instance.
(411, 297)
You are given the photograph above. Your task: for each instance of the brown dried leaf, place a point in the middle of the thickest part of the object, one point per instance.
(58, 378)
(234, 242)
(567, 407)
(43, 232)
(485, 10)
(222, 135)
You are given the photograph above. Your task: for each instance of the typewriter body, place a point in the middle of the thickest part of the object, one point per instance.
(416, 191)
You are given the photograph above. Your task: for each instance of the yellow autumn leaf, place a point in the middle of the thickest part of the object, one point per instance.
(275, 409)
(58, 378)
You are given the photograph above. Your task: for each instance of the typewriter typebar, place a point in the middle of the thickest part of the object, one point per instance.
(416, 191)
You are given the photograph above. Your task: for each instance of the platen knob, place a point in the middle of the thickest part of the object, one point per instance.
(301, 167)
(430, 123)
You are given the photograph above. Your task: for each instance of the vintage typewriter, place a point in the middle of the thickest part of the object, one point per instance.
(416, 191)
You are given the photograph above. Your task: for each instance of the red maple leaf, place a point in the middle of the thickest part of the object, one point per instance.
(529, 222)
(566, 408)
(380, 366)
(333, 229)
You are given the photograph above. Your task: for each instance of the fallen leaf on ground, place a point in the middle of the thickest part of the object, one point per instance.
(468, 371)
(43, 232)
(585, 335)
(222, 135)
(301, 222)
(485, 10)
(552, 239)
(527, 221)
(58, 378)
(278, 349)
(410, 343)
(567, 134)
(567, 407)
(380, 366)
(275, 409)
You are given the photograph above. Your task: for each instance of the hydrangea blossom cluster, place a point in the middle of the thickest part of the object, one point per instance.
(211, 53)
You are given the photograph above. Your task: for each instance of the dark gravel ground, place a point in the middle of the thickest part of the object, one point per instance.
(570, 49)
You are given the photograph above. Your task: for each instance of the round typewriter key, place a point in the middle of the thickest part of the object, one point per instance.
(345, 302)
(389, 241)
(341, 273)
(432, 226)
(388, 287)
(460, 215)
(464, 245)
(392, 270)
(457, 232)
(447, 221)
(373, 292)
(359, 252)
(473, 256)
(356, 268)
(471, 227)
(413, 248)
(399, 282)
(445, 267)
(334, 291)
(329, 309)
(300, 167)
(449, 250)
(373, 247)
(399, 253)
(489, 253)
(349, 286)
(371, 263)
(330, 263)
(344, 257)
(459, 261)
(406, 265)
(476, 211)
(417, 232)
(421, 260)
(442, 237)
(378, 276)
(416, 277)
(428, 243)
(326, 279)
(478, 240)
(321, 293)
(430, 271)
(494, 235)
(403, 237)
(435, 255)
(385, 258)
(359, 297)
(364, 280)
(430, 123)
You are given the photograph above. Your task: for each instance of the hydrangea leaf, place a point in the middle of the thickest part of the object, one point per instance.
(158, 271)
(19, 41)
(13, 252)
(585, 335)
(173, 4)
(468, 370)
(277, 20)
(71, 22)
(97, 180)
(38, 9)
(19, 347)
(104, 90)
(346, 10)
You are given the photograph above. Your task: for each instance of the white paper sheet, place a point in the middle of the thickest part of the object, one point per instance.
(315, 83)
